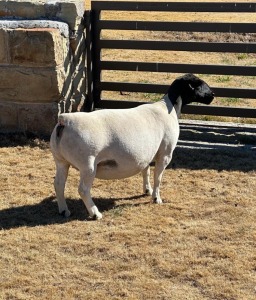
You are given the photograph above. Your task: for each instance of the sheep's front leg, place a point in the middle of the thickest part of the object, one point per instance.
(158, 174)
(147, 189)
(59, 185)
(84, 189)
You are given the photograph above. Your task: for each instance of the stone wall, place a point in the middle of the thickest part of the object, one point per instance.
(42, 63)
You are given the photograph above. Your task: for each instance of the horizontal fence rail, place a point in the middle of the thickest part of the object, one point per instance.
(178, 26)
(188, 109)
(179, 46)
(97, 44)
(161, 89)
(174, 6)
(179, 68)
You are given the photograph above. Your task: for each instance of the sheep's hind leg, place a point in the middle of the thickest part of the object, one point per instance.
(147, 189)
(59, 185)
(86, 180)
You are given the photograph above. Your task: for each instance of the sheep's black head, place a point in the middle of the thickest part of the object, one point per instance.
(191, 89)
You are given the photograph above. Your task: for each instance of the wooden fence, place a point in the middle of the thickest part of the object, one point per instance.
(95, 25)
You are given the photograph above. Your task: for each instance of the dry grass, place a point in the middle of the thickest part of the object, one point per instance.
(200, 244)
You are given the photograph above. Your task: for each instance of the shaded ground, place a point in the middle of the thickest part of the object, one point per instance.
(216, 145)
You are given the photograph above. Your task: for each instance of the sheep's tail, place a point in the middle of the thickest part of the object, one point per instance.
(60, 128)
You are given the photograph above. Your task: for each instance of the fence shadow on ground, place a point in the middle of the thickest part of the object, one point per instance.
(214, 158)
(217, 148)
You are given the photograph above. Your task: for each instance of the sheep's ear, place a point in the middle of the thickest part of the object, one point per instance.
(191, 87)
(195, 83)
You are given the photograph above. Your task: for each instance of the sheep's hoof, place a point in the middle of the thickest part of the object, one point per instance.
(148, 192)
(65, 213)
(157, 201)
(97, 217)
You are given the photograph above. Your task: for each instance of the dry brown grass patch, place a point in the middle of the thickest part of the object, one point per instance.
(200, 244)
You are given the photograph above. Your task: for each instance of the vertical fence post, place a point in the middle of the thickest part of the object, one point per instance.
(89, 105)
(93, 56)
(96, 56)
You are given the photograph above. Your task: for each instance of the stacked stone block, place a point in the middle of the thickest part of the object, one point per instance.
(42, 63)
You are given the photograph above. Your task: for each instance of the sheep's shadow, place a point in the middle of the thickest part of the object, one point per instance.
(46, 212)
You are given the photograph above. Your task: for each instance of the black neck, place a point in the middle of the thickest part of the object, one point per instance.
(177, 103)
(174, 96)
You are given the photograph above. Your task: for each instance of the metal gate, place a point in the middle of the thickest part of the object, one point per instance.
(96, 25)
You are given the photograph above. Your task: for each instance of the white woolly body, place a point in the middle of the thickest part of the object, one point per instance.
(114, 144)
(117, 143)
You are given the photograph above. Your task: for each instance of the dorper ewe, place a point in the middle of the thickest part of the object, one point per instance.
(119, 143)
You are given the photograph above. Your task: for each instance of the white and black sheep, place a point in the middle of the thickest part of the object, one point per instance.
(119, 143)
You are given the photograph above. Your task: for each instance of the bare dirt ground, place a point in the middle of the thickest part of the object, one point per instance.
(200, 244)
